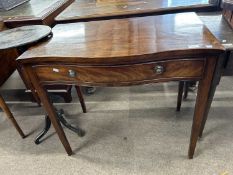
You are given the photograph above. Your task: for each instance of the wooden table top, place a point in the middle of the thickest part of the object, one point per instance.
(21, 36)
(127, 40)
(219, 27)
(82, 10)
(34, 11)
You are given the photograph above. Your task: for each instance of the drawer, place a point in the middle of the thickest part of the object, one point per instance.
(122, 74)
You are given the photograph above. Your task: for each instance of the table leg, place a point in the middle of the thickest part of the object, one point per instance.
(215, 82)
(49, 108)
(81, 100)
(53, 117)
(201, 104)
(5, 108)
(61, 119)
(210, 99)
(27, 83)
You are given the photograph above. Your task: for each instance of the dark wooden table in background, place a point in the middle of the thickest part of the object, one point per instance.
(88, 10)
(34, 12)
(31, 13)
(124, 52)
(7, 67)
(224, 33)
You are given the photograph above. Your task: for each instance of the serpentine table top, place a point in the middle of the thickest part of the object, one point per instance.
(123, 39)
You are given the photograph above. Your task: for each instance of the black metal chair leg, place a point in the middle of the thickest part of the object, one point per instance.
(77, 130)
(186, 87)
(45, 130)
(180, 94)
(60, 116)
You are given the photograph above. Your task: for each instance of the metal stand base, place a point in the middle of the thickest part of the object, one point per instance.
(90, 90)
(60, 116)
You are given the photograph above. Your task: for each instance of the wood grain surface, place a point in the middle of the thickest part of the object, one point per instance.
(126, 40)
(94, 9)
(21, 36)
(34, 12)
(122, 75)
(219, 27)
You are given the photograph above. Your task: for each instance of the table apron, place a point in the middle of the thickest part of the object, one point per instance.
(121, 75)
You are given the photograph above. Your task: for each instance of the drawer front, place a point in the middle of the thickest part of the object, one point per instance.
(122, 74)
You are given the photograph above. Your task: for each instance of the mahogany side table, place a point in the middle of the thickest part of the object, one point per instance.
(125, 52)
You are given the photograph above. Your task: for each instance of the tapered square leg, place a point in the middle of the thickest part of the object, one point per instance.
(81, 99)
(201, 103)
(215, 82)
(49, 109)
(5, 108)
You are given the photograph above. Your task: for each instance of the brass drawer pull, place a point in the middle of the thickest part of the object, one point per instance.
(72, 74)
(159, 69)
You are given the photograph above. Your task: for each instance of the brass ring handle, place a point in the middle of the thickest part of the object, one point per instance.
(72, 73)
(159, 69)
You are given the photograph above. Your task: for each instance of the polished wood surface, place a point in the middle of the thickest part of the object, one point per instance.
(219, 27)
(34, 12)
(120, 40)
(112, 75)
(82, 10)
(22, 36)
(126, 52)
